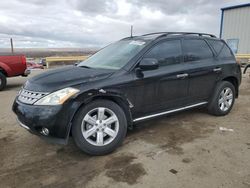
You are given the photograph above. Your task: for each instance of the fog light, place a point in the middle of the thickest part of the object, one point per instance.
(45, 131)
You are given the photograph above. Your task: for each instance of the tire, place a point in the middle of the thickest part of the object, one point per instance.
(100, 128)
(215, 106)
(2, 81)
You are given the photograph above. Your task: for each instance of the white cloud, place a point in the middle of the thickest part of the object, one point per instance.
(146, 13)
(95, 23)
(124, 8)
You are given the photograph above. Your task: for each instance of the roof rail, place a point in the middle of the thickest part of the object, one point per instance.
(162, 34)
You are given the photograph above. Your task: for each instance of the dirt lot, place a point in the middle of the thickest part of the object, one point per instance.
(182, 150)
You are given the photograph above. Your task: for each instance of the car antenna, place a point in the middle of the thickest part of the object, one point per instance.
(131, 31)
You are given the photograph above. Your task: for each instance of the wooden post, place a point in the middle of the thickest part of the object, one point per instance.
(131, 31)
(11, 44)
(47, 63)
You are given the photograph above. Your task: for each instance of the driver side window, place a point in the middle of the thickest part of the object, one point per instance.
(167, 52)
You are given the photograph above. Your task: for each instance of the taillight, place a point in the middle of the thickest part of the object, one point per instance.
(23, 60)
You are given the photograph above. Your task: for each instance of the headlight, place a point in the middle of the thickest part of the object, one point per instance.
(57, 97)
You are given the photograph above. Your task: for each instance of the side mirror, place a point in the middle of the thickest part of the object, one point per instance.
(148, 64)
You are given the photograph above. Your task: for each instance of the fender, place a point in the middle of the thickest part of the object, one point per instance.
(235, 81)
(106, 93)
(90, 95)
(6, 68)
(111, 94)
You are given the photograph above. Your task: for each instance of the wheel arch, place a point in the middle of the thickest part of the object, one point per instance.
(233, 80)
(3, 71)
(119, 100)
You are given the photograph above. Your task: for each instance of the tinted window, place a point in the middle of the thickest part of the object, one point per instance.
(168, 52)
(220, 48)
(217, 45)
(195, 49)
(225, 52)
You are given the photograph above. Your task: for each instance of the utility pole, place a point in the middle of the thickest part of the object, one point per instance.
(131, 31)
(11, 44)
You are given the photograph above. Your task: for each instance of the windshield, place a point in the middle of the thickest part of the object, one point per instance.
(115, 55)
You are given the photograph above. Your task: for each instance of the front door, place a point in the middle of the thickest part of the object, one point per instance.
(166, 87)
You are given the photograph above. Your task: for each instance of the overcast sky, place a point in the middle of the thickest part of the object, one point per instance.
(95, 23)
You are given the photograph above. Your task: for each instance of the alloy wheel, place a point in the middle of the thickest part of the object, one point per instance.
(226, 99)
(100, 126)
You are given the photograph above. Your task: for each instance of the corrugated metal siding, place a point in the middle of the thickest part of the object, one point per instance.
(236, 25)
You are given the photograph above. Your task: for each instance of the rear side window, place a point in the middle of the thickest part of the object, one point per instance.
(225, 52)
(221, 49)
(196, 49)
(168, 52)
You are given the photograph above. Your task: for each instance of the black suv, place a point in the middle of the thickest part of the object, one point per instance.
(134, 79)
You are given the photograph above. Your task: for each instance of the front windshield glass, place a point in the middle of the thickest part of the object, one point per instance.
(115, 55)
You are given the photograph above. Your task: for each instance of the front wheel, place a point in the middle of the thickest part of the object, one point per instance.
(223, 99)
(99, 127)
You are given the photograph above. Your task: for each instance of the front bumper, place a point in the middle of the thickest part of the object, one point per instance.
(49, 139)
(57, 119)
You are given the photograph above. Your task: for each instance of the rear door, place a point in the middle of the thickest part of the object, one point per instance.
(203, 69)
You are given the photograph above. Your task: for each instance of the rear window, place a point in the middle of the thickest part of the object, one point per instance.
(196, 49)
(221, 49)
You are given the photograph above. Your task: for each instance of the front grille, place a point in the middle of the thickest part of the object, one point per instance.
(30, 97)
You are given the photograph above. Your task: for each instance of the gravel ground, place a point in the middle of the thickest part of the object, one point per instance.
(182, 150)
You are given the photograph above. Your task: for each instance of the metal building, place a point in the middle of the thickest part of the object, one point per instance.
(235, 27)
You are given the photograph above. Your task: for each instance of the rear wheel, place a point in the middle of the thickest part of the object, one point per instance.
(223, 99)
(2, 81)
(99, 127)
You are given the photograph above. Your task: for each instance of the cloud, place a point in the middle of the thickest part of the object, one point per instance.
(96, 6)
(95, 23)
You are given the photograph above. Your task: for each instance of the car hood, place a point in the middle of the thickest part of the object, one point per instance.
(65, 77)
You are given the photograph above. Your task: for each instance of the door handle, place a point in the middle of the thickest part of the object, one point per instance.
(217, 69)
(182, 75)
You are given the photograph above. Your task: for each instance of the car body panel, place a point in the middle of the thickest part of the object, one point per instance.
(64, 77)
(13, 65)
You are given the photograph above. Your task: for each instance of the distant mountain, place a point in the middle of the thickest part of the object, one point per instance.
(45, 52)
